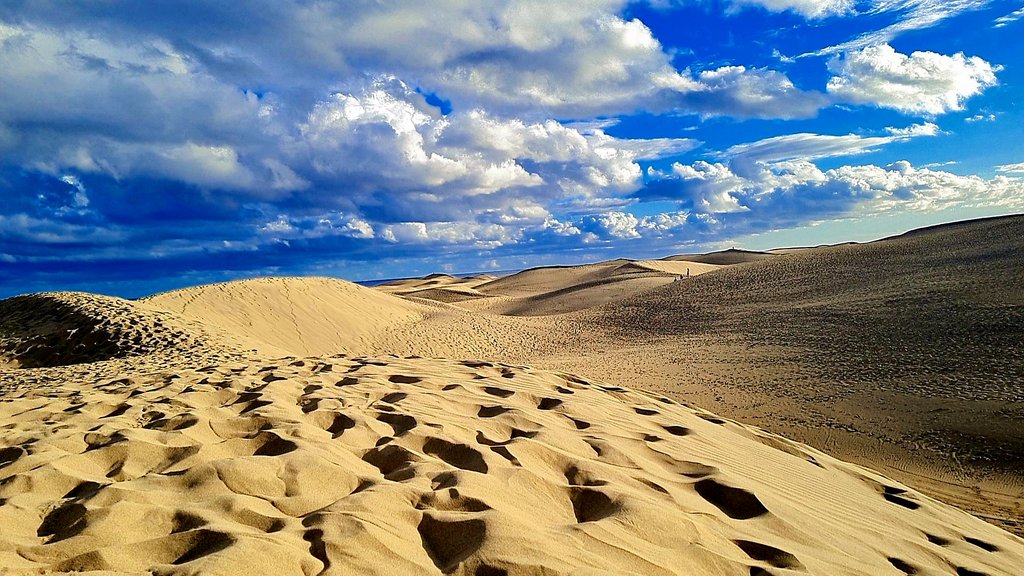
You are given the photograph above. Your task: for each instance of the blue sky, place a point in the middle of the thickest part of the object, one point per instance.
(147, 146)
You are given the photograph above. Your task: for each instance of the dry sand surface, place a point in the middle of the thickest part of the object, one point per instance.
(333, 465)
(292, 425)
(906, 354)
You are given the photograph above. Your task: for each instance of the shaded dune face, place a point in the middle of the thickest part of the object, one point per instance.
(59, 329)
(909, 311)
(332, 465)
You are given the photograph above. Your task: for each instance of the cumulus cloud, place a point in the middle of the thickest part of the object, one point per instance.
(921, 83)
(619, 224)
(709, 187)
(510, 57)
(74, 100)
(446, 167)
(795, 192)
(751, 93)
(465, 234)
(135, 131)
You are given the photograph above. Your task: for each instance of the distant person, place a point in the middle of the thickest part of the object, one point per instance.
(687, 272)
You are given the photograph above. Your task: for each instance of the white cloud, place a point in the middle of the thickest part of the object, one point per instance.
(349, 154)
(806, 8)
(23, 228)
(466, 234)
(79, 200)
(914, 130)
(665, 223)
(710, 186)
(522, 57)
(981, 118)
(806, 146)
(912, 15)
(798, 191)
(1003, 21)
(76, 100)
(921, 83)
(561, 228)
(619, 224)
(1012, 168)
(279, 226)
(445, 167)
(750, 158)
(751, 93)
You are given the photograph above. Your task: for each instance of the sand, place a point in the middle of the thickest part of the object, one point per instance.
(335, 465)
(313, 426)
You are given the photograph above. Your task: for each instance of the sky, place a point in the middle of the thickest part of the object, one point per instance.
(146, 146)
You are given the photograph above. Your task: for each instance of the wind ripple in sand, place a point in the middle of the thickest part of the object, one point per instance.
(412, 466)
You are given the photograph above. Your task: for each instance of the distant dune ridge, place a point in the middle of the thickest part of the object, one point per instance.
(292, 425)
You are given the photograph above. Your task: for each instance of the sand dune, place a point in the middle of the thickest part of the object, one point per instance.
(56, 329)
(413, 466)
(546, 279)
(560, 290)
(723, 257)
(307, 316)
(293, 315)
(673, 267)
(946, 301)
(905, 353)
(439, 287)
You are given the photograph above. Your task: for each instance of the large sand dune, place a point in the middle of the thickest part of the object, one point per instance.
(290, 425)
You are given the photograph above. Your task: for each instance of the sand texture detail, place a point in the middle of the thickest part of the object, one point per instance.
(336, 465)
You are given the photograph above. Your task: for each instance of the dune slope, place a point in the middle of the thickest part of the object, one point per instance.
(560, 290)
(61, 328)
(723, 257)
(911, 309)
(412, 466)
(295, 315)
(906, 353)
(306, 316)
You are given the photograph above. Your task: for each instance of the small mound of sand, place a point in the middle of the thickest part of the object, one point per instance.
(332, 465)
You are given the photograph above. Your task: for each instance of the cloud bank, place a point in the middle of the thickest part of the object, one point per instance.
(303, 136)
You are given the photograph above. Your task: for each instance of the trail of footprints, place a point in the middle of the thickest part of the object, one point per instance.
(305, 458)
